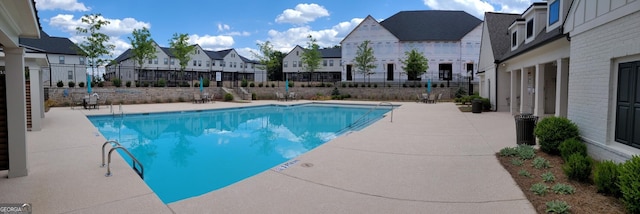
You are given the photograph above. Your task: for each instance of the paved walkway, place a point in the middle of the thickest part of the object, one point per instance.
(431, 159)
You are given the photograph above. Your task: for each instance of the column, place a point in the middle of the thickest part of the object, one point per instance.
(513, 100)
(538, 109)
(562, 87)
(37, 104)
(41, 89)
(16, 112)
(524, 93)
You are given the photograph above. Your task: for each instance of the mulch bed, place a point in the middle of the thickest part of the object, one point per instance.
(584, 200)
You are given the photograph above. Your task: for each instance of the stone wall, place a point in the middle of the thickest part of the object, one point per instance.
(177, 94)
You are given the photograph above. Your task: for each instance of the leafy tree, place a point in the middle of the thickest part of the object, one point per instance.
(311, 56)
(141, 46)
(415, 64)
(95, 44)
(270, 60)
(181, 49)
(364, 60)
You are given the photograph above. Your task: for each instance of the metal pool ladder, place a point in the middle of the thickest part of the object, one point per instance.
(134, 161)
(361, 119)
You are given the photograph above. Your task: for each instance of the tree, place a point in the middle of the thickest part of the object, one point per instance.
(181, 49)
(311, 56)
(270, 60)
(415, 64)
(364, 60)
(141, 46)
(95, 44)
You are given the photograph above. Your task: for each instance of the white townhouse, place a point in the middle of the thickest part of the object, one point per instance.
(203, 63)
(450, 40)
(577, 59)
(18, 20)
(330, 69)
(65, 64)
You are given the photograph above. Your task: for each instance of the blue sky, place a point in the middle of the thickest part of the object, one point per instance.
(218, 25)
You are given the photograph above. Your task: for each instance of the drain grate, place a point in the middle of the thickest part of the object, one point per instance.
(306, 165)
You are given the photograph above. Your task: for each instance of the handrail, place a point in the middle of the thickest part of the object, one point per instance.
(133, 159)
(105, 144)
(371, 110)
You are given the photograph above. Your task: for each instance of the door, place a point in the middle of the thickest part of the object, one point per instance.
(390, 72)
(628, 105)
(349, 76)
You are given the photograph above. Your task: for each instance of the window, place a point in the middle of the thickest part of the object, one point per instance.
(295, 64)
(554, 12)
(445, 71)
(155, 61)
(297, 53)
(470, 70)
(61, 59)
(627, 123)
(286, 64)
(207, 64)
(529, 28)
(514, 38)
(331, 62)
(173, 61)
(166, 61)
(200, 63)
(223, 64)
(324, 63)
(253, 65)
(81, 60)
(70, 75)
(195, 62)
(235, 64)
(149, 61)
(213, 63)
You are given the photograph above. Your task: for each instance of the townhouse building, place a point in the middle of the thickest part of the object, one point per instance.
(219, 66)
(65, 64)
(330, 69)
(450, 40)
(577, 59)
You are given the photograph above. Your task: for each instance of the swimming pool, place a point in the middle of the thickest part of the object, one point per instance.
(189, 153)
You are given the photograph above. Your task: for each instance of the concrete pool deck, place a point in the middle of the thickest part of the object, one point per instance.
(431, 159)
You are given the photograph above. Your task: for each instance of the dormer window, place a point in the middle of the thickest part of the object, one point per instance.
(554, 12)
(529, 28)
(514, 39)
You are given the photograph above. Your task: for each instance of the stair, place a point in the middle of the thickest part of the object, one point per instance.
(236, 97)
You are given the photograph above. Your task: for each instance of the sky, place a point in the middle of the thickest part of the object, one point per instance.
(218, 25)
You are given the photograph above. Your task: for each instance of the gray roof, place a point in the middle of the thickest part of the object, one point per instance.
(424, 25)
(335, 52)
(124, 56)
(53, 45)
(213, 55)
(498, 26)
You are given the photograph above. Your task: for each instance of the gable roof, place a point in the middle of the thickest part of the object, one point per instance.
(498, 30)
(53, 45)
(335, 52)
(425, 25)
(541, 39)
(213, 54)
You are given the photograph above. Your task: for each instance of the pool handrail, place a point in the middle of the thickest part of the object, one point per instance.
(104, 145)
(133, 159)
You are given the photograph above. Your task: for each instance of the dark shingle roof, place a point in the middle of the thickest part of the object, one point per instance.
(213, 55)
(124, 56)
(49, 44)
(498, 26)
(335, 52)
(167, 51)
(430, 25)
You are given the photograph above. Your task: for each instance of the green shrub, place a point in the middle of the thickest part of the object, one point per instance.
(441, 85)
(563, 189)
(605, 176)
(540, 162)
(517, 162)
(273, 85)
(71, 84)
(161, 82)
(525, 173)
(344, 85)
(117, 82)
(539, 189)
(552, 131)
(404, 85)
(100, 84)
(260, 85)
(291, 85)
(460, 92)
(252, 85)
(228, 97)
(578, 167)
(629, 183)
(254, 96)
(559, 207)
(572, 146)
(525, 152)
(244, 83)
(508, 152)
(486, 104)
(60, 84)
(375, 85)
(81, 84)
(196, 84)
(128, 84)
(205, 82)
(548, 177)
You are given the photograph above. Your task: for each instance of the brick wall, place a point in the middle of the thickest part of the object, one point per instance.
(591, 76)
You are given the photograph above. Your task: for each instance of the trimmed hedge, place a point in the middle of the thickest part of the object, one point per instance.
(570, 147)
(605, 176)
(552, 131)
(629, 183)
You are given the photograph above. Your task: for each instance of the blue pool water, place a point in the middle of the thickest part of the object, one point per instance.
(187, 154)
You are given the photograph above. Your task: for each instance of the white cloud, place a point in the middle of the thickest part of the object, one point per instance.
(116, 27)
(247, 52)
(223, 27)
(237, 33)
(212, 42)
(120, 44)
(68, 5)
(303, 13)
(478, 7)
(284, 41)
